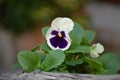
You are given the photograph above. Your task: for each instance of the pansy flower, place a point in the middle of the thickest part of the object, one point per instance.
(96, 50)
(57, 35)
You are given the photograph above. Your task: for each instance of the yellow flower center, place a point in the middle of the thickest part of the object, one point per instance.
(59, 35)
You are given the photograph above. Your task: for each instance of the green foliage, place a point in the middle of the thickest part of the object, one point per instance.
(75, 59)
(74, 62)
(53, 59)
(110, 62)
(89, 35)
(95, 66)
(76, 36)
(44, 30)
(78, 49)
(45, 47)
(77, 33)
(36, 47)
(29, 61)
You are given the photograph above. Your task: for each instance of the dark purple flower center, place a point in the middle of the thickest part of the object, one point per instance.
(59, 39)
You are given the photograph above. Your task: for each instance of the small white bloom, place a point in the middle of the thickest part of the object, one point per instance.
(94, 54)
(96, 50)
(58, 34)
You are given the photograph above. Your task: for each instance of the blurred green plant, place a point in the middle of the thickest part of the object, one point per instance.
(21, 15)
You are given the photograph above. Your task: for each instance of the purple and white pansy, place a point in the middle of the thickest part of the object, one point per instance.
(57, 35)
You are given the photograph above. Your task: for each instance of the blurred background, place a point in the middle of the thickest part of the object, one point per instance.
(21, 22)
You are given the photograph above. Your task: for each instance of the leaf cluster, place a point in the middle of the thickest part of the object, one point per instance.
(74, 60)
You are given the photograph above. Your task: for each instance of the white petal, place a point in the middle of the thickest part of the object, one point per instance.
(98, 48)
(56, 23)
(65, 24)
(94, 54)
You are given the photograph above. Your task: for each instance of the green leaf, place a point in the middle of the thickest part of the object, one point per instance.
(29, 61)
(76, 37)
(45, 47)
(77, 33)
(89, 35)
(53, 59)
(35, 47)
(42, 57)
(96, 66)
(84, 42)
(44, 30)
(74, 62)
(110, 62)
(77, 49)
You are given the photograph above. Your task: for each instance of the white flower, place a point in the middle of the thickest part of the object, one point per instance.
(58, 35)
(94, 54)
(96, 50)
(63, 24)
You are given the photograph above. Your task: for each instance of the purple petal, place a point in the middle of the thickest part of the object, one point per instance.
(54, 32)
(62, 43)
(54, 41)
(63, 33)
(58, 42)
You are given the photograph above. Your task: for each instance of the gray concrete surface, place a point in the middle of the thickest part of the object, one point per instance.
(55, 76)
